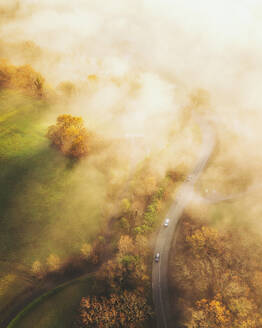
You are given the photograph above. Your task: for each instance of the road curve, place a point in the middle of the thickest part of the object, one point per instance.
(165, 235)
(213, 199)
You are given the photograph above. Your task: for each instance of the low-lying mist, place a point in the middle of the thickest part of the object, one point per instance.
(135, 65)
(164, 49)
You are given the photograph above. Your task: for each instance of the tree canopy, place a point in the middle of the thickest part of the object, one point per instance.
(127, 310)
(22, 78)
(70, 136)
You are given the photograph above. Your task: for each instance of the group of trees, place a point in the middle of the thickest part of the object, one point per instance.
(127, 310)
(128, 269)
(125, 277)
(89, 255)
(139, 211)
(140, 208)
(215, 278)
(22, 78)
(125, 282)
(70, 136)
(53, 264)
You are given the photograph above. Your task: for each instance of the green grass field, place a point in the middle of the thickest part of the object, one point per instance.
(56, 309)
(49, 203)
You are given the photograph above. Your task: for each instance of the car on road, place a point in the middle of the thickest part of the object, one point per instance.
(157, 257)
(167, 220)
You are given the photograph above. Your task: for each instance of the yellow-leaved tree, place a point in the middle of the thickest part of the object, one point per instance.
(23, 78)
(70, 136)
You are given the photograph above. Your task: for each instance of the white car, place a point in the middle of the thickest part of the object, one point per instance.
(157, 257)
(167, 220)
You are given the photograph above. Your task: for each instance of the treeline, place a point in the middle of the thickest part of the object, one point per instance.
(30, 82)
(216, 277)
(125, 278)
(119, 310)
(122, 256)
(23, 78)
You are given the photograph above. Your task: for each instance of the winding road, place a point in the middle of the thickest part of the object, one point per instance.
(166, 234)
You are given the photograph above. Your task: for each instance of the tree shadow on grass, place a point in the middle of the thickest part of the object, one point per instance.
(47, 167)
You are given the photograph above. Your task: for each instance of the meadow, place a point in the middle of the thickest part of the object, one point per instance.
(36, 184)
(56, 309)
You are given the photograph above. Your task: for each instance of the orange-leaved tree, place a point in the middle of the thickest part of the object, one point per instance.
(125, 310)
(22, 78)
(28, 80)
(70, 136)
(211, 314)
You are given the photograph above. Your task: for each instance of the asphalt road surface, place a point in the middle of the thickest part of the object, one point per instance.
(165, 235)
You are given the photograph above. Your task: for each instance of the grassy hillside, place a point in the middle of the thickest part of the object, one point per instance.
(36, 184)
(56, 309)
(53, 205)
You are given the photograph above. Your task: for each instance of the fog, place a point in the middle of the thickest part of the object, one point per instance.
(144, 74)
(214, 45)
(147, 57)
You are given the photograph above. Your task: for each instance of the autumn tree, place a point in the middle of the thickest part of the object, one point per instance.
(125, 245)
(217, 278)
(142, 245)
(127, 310)
(70, 136)
(86, 251)
(210, 314)
(128, 269)
(67, 88)
(37, 269)
(6, 72)
(144, 184)
(235, 312)
(22, 78)
(53, 262)
(28, 80)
